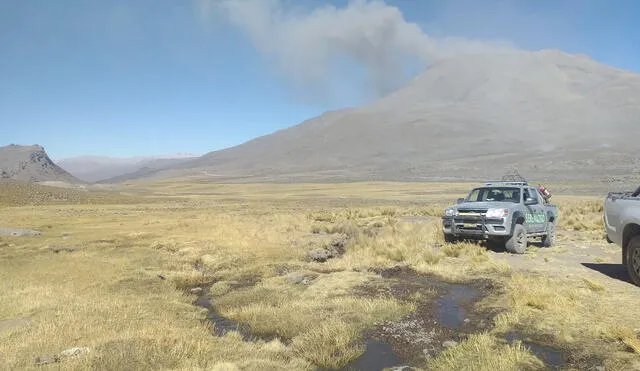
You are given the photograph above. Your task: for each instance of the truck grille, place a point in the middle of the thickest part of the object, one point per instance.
(472, 211)
(469, 216)
(473, 219)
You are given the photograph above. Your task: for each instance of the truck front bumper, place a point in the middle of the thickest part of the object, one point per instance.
(476, 227)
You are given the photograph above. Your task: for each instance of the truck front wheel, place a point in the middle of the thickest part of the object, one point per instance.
(517, 243)
(633, 260)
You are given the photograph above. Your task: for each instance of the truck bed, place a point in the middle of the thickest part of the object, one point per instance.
(620, 208)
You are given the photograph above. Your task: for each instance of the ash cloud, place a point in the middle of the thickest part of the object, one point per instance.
(310, 46)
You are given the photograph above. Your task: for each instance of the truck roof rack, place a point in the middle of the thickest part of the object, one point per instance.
(514, 176)
(506, 182)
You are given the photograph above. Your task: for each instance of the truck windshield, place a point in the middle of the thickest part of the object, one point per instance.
(488, 194)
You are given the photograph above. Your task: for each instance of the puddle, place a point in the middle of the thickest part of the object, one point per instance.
(553, 358)
(444, 313)
(221, 325)
(450, 311)
(377, 356)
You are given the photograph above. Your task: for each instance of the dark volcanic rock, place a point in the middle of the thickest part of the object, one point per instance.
(31, 164)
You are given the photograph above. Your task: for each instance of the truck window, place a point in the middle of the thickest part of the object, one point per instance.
(492, 194)
(533, 193)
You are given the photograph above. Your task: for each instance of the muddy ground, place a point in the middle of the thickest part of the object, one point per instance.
(446, 312)
(444, 315)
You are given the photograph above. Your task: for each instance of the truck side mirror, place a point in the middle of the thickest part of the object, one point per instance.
(530, 201)
(460, 200)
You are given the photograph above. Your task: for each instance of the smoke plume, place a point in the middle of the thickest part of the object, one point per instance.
(314, 47)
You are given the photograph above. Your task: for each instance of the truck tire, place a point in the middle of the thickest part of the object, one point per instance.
(549, 239)
(517, 243)
(633, 260)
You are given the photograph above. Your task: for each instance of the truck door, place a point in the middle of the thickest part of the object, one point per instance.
(612, 214)
(535, 217)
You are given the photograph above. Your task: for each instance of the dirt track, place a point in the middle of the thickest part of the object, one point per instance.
(591, 259)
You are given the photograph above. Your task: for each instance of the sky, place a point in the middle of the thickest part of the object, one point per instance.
(132, 78)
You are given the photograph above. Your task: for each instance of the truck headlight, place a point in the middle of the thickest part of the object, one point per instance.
(449, 212)
(497, 213)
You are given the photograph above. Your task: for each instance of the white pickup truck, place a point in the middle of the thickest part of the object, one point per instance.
(622, 225)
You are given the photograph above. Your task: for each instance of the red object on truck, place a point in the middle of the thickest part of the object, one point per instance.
(545, 193)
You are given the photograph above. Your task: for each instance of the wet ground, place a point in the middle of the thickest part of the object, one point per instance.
(378, 355)
(553, 358)
(444, 315)
(450, 307)
(221, 325)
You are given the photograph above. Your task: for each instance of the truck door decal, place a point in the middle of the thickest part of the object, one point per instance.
(535, 218)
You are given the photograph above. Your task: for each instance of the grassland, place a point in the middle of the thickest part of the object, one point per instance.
(113, 272)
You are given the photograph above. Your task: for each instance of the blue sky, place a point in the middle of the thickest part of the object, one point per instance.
(145, 77)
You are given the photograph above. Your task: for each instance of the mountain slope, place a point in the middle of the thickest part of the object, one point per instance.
(96, 168)
(551, 114)
(31, 164)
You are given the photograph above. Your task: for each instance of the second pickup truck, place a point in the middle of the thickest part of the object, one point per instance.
(622, 225)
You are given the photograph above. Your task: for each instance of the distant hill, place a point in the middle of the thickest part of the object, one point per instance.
(96, 168)
(31, 164)
(550, 114)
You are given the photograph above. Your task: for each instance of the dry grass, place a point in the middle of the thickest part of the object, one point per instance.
(14, 193)
(330, 344)
(582, 218)
(582, 316)
(484, 352)
(248, 240)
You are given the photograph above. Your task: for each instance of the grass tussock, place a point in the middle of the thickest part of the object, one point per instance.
(421, 246)
(331, 344)
(627, 336)
(577, 315)
(484, 352)
(269, 306)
